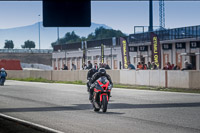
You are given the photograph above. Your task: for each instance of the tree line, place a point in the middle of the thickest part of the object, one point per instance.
(27, 44)
(71, 37)
(99, 33)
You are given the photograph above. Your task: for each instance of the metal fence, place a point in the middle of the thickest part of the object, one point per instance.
(26, 51)
(90, 44)
(167, 34)
(163, 34)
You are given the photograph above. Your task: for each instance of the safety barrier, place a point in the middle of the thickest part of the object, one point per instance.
(10, 64)
(160, 78)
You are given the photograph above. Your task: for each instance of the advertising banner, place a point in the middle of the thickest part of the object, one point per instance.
(156, 51)
(125, 52)
(102, 53)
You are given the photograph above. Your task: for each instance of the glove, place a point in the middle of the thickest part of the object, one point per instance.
(92, 86)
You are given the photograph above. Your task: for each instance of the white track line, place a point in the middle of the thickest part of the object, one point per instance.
(32, 125)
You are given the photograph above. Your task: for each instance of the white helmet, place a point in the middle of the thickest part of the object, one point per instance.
(2, 69)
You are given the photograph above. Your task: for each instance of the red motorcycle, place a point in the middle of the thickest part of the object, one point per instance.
(101, 94)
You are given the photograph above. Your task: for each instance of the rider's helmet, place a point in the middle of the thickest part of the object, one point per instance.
(102, 71)
(2, 69)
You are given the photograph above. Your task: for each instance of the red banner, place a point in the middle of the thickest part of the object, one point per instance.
(10, 64)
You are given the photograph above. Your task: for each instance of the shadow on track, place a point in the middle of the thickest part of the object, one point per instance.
(110, 106)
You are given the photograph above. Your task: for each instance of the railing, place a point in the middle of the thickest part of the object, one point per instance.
(163, 34)
(26, 51)
(90, 44)
(167, 34)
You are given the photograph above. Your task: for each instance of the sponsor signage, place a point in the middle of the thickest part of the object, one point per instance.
(143, 48)
(132, 49)
(156, 51)
(180, 45)
(125, 52)
(102, 53)
(166, 46)
(195, 44)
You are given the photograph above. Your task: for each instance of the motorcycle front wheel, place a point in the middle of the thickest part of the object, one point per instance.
(104, 103)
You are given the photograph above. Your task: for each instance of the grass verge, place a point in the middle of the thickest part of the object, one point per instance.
(115, 85)
(47, 81)
(184, 90)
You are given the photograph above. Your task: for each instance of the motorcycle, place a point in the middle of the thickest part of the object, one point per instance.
(2, 80)
(101, 94)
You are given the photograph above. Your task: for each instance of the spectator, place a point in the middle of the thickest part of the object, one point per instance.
(144, 66)
(139, 66)
(154, 66)
(176, 68)
(107, 66)
(73, 66)
(89, 65)
(130, 66)
(168, 66)
(188, 66)
(84, 66)
(65, 67)
(96, 66)
(149, 65)
(103, 65)
(172, 66)
(100, 65)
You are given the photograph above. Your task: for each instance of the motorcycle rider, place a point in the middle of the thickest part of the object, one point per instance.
(3, 75)
(97, 75)
(90, 73)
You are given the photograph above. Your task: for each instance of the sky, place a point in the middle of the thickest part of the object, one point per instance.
(116, 14)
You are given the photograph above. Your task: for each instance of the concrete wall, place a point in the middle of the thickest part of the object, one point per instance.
(18, 74)
(194, 77)
(115, 75)
(143, 77)
(157, 78)
(178, 79)
(41, 74)
(127, 77)
(161, 78)
(65, 75)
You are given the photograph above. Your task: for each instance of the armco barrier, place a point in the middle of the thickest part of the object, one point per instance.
(161, 78)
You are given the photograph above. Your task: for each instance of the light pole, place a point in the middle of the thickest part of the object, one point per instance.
(39, 30)
(150, 15)
(58, 38)
(111, 57)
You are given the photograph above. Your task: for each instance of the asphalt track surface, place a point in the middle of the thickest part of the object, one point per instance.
(66, 108)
